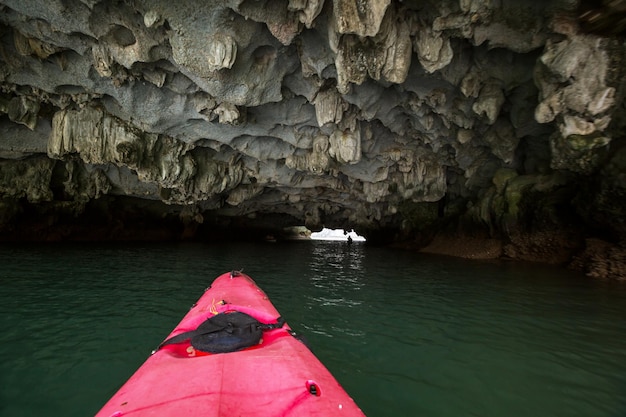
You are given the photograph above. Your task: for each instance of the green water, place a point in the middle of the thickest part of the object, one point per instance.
(405, 335)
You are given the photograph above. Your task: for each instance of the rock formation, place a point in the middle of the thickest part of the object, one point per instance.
(474, 119)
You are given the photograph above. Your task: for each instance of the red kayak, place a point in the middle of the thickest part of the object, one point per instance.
(231, 355)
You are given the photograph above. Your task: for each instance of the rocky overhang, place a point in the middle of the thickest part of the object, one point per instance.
(475, 128)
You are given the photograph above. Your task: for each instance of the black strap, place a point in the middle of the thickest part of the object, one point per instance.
(280, 322)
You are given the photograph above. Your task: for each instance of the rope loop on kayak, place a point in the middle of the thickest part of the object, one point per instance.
(213, 308)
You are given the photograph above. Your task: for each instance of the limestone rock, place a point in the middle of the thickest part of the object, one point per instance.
(345, 146)
(329, 107)
(575, 77)
(310, 111)
(489, 102)
(433, 49)
(227, 113)
(362, 18)
(385, 56)
(98, 138)
(317, 161)
(23, 110)
(222, 51)
(307, 10)
(27, 178)
(502, 141)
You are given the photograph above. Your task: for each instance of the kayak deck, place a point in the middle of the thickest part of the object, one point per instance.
(278, 377)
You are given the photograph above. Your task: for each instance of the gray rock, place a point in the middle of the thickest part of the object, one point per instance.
(326, 112)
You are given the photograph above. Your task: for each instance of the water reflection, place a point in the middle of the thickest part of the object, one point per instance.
(337, 264)
(336, 275)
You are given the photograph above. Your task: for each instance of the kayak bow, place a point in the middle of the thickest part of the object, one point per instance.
(272, 375)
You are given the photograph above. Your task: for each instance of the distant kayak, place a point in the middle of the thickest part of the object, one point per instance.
(231, 355)
(337, 235)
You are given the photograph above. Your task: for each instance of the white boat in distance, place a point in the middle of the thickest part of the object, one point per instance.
(337, 235)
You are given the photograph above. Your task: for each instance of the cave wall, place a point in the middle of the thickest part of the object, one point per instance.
(406, 119)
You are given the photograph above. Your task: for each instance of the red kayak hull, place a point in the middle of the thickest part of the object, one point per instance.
(278, 377)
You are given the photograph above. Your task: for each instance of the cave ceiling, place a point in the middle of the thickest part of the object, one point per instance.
(324, 111)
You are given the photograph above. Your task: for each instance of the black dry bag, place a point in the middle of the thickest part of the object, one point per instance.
(225, 332)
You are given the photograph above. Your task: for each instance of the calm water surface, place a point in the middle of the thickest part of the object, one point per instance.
(406, 335)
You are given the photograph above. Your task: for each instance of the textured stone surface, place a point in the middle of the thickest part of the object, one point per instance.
(352, 113)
